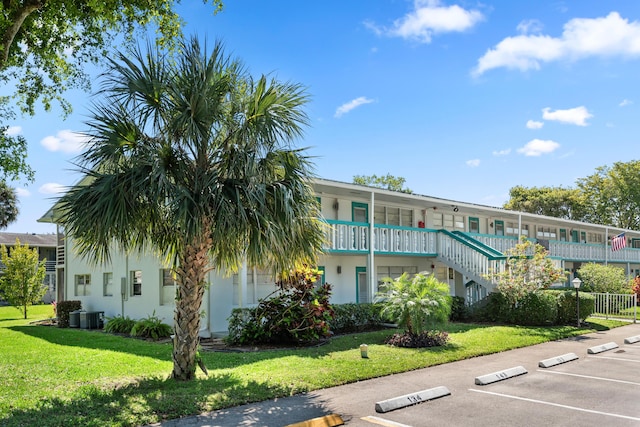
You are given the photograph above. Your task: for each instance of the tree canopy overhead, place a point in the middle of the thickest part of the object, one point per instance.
(387, 182)
(46, 43)
(610, 196)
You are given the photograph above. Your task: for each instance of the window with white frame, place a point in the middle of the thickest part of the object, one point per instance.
(107, 284)
(512, 229)
(595, 238)
(546, 233)
(395, 271)
(82, 284)
(136, 282)
(393, 216)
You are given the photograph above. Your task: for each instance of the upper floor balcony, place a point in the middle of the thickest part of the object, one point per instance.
(353, 237)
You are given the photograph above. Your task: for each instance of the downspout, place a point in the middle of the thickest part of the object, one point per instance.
(606, 249)
(124, 283)
(372, 275)
(242, 279)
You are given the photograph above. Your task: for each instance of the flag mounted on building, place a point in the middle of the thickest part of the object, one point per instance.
(618, 242)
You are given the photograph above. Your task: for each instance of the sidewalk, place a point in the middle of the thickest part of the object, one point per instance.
(352, 402)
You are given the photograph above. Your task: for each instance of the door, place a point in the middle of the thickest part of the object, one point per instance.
(362, 285)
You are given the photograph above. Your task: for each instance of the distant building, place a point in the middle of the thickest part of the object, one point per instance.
(373, 234)
(46, 244)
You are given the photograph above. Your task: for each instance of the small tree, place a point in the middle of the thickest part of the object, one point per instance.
(529, 269)
(416, 304)
(23, 277)
(603, 278)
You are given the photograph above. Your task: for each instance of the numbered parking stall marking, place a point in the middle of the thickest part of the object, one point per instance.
(411, 399)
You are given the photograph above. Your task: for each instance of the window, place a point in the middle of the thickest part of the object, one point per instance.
(107, 284)
(595, 238)
(359, 212)
(546, 233)
(474, 225)
(563, 235)
(168, 278)
(136, 282)
(83, 284)
(393, 216)
(459, 221)
(395, 272)
(499, 226)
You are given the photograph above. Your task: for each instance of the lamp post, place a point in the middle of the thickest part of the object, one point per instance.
(576, 284)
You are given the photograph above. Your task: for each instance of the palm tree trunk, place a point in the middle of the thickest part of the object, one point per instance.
(191, 278)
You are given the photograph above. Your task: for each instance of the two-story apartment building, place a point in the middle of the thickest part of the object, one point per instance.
(372, 234)
(46, 245)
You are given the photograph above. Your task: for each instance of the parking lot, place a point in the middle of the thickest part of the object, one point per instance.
(594, 389)
(599, 387)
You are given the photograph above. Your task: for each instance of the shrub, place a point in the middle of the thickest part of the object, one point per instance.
(493, 308)
(119, 325)
(299, 312)
(459, 310)
(355, 317)
(151, 327)
(536, 309)
(63, 308)
(424, 339)
(603, 278)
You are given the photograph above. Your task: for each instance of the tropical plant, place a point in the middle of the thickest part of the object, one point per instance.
(22, 278)
(297, 312)
(416, 304)
(119, 325)
(8, 204)
(193, 157)
(529, 269)
(151, 327)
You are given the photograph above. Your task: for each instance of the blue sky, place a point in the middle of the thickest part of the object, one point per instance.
(464, 99)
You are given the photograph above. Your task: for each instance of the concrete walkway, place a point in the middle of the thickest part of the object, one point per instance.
(355, 403)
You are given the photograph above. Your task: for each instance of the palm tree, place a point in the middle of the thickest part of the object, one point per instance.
(191, 156)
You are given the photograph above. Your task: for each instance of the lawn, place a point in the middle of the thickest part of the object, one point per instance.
(62, 377)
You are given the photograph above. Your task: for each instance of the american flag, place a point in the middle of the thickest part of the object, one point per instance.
(618, 242)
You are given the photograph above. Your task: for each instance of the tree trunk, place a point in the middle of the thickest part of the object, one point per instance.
(191, 278)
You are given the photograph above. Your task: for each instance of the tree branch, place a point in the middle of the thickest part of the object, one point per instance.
(21, 13)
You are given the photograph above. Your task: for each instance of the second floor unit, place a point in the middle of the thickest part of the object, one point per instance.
(372, 220)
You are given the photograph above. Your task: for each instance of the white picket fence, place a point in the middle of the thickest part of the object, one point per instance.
(616, 306)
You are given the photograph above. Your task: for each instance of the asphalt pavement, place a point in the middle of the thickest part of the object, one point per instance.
(599, 386)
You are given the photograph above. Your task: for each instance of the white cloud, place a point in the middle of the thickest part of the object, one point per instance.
(538, 147)
(625, 102)
(530, 26)
(581, 38)
(52, 188)
(532, 124)
(13, 130)
(355, 103)
(66, 141)
(23, 192)
(474, 163)
(429, 18)
(502, 152)
(576, 116)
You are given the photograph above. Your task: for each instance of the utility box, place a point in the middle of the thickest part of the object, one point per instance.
(90, 319)
(74, 319)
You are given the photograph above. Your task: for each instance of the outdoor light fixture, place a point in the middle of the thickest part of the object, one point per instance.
(576, 284)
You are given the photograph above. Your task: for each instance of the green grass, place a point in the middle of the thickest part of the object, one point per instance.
(61, 377)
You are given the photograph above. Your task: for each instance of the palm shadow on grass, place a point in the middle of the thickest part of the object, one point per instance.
(150, 401)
